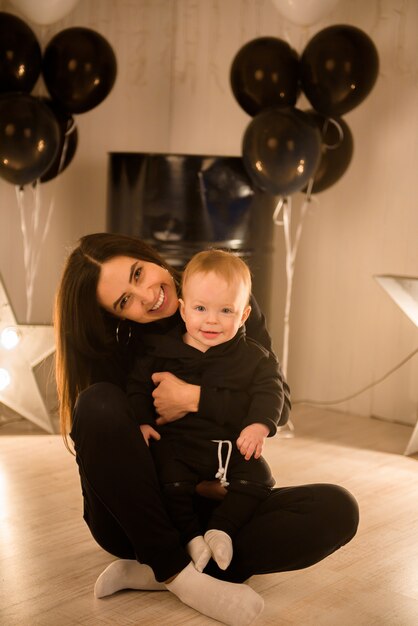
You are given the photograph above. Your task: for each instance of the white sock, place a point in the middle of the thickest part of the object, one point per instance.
(126, 574)
(229, 603)
(200, 552)
(221, 546)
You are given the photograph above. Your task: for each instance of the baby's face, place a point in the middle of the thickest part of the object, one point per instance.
(212, 309)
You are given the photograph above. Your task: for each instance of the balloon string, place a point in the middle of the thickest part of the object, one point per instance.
(26, 249)
(340, 132)
(45, 229)
(287, 223)
(63, 152)
(71, 127)
(30, 227)
(284, 206)
(277, 211)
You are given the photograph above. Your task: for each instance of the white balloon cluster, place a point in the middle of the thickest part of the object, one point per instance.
(44, 12)
(304, 12)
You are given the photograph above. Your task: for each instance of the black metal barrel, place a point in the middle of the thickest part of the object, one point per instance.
(181, 204)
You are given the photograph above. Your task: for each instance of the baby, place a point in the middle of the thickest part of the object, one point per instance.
(209, 348)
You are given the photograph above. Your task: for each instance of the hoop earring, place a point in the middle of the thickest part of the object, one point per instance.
(119, 338)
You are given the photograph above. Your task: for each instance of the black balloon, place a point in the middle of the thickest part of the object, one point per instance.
(336, 151)
(29, 138)
(281, 150)
(79, 68)
(228, 194)
(339, 68)
(265, 73)
(67, 143)
(20, 55)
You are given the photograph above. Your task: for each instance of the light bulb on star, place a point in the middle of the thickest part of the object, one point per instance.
(9, 337)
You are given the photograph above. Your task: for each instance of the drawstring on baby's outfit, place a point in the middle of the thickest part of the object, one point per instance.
(222, 469)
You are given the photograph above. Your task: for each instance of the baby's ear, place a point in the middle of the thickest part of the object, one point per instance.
(245, 314)
(181, 303)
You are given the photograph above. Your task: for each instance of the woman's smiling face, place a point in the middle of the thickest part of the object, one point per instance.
(136, 290)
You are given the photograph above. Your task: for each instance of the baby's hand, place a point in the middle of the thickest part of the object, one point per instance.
(251, 440)
(148, 432)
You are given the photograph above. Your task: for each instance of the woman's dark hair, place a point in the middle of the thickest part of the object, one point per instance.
(84, 331)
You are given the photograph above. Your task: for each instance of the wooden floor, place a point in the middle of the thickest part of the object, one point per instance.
(49, 562)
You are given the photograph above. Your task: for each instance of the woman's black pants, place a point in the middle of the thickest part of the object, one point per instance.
(293, 528)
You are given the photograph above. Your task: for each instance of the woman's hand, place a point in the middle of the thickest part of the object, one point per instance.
(173, 398)
(251, 440)
(148, 432)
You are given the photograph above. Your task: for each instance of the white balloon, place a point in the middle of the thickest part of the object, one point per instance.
(305, 12)
(45, 12)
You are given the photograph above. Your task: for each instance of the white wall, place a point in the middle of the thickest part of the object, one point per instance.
(172, 94)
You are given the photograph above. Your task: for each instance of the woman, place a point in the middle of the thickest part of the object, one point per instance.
(114, 289)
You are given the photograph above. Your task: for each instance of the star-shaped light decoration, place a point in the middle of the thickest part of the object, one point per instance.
(404, 291)
(22, 348)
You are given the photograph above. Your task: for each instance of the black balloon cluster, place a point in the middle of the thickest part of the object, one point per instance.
(38, 135)
(286, 150)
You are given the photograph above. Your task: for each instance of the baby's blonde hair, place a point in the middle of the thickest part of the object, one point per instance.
(226, 265)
